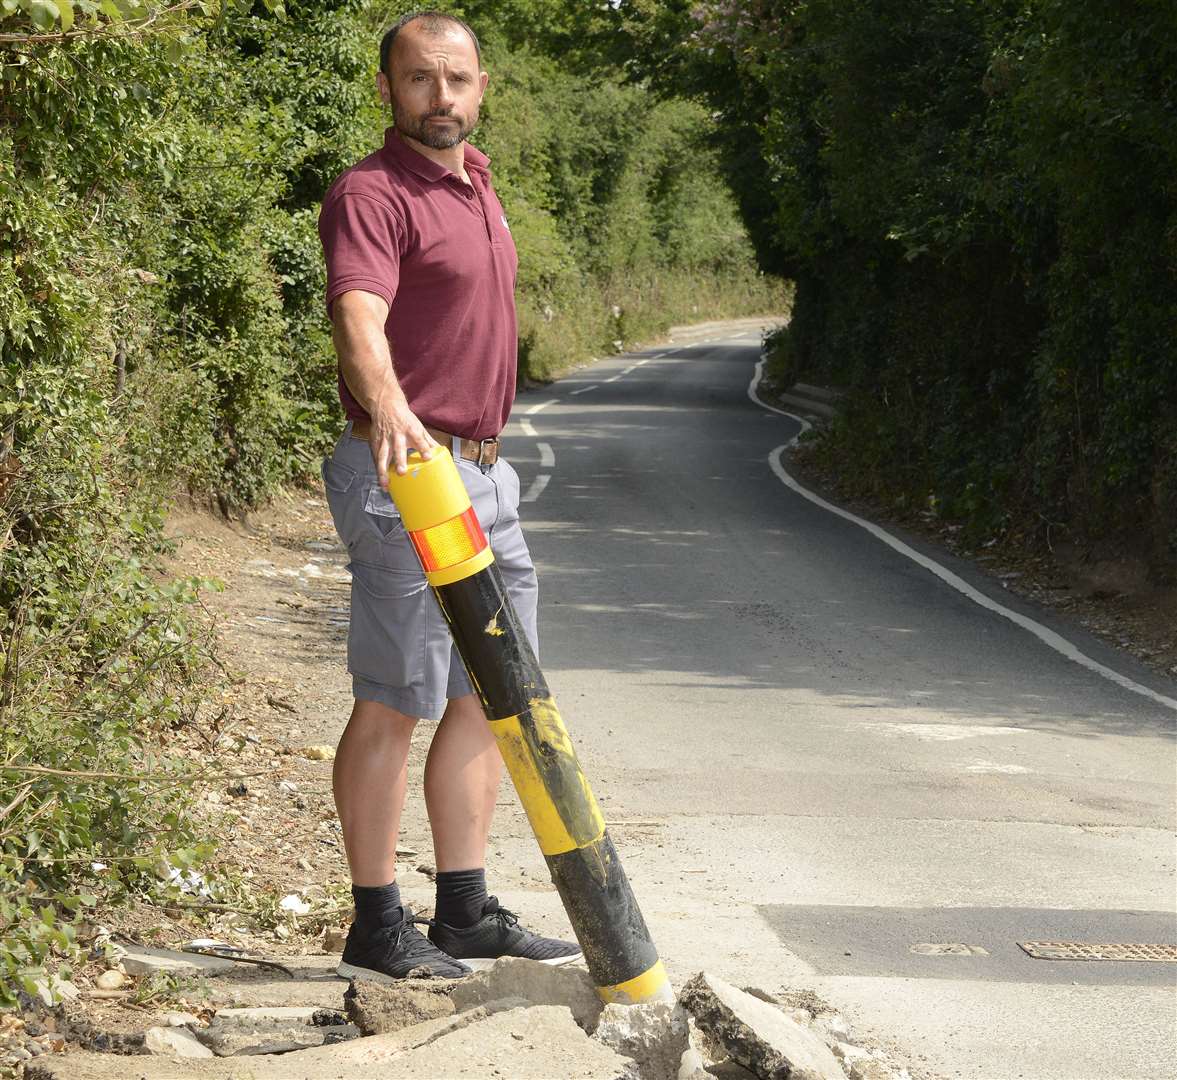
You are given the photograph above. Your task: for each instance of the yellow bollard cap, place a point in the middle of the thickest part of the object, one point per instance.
(430, 492)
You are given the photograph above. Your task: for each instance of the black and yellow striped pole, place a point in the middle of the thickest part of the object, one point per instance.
(567, 822)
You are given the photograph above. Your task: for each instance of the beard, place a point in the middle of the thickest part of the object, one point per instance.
(435, 136)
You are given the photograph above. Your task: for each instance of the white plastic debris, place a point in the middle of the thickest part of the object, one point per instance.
(295, 904)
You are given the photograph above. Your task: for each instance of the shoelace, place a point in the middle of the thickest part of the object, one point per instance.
(418, 944)
(507, 918)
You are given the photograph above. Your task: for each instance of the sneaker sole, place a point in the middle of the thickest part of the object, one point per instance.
(485, 963)
(351, 971)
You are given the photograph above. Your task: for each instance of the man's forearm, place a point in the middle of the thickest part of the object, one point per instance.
(365, 361)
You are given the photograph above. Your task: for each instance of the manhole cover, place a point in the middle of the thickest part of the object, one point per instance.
(948, 948)
(1083, 950)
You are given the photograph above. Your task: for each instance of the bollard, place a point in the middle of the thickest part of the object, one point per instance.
(530, 733)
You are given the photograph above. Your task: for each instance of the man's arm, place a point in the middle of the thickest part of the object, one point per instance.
(365, 360)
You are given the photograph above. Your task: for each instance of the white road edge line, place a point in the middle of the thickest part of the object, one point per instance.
(583, 390)
(537, 488)
(528, 428)
(547, 458)
(542, 405)
(1047, 636)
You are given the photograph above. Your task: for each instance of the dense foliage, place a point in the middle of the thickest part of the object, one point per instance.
(978, 202)
(162, 330)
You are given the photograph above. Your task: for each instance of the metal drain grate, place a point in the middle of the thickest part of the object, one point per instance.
(1083, 950)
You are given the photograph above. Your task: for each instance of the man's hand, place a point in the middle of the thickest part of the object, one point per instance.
(366, 362)
(395, 428)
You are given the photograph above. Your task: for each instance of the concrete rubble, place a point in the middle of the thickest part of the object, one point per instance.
(653, 1035)
(758, 1035)
(379, 1008)
(539, 983)
(518, 1019)
(174, 1042)
(139, 960)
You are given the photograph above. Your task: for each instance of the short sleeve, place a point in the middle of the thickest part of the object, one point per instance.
(362, 245)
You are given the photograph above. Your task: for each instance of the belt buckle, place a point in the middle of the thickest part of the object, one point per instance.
(482, 448)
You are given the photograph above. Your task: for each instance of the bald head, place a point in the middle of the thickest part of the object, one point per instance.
(431, 23)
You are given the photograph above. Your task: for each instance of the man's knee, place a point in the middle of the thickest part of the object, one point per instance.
(375, 720)
(466, 709)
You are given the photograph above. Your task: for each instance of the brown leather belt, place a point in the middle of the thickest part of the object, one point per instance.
(481, 452)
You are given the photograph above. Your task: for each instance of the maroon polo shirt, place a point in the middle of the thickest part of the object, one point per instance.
(439, 251)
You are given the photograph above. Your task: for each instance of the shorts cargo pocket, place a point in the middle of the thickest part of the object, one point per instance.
(337, 481)
(388, 632)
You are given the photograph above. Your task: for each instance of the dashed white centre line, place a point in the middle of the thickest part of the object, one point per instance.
(629, 369)
(583, 390)
(614, 379)
(542, 405)
(547, 458)
(528, 429)
(537, 488)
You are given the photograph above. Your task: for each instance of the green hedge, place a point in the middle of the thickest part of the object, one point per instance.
(977, 203)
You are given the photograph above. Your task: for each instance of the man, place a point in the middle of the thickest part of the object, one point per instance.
(420, 290)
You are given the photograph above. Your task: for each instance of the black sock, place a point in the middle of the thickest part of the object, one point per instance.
(377, 905)
(461, 896)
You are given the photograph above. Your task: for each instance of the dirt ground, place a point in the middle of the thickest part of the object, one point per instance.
(281, 621)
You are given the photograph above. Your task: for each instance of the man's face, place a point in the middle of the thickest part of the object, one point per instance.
(435, 87)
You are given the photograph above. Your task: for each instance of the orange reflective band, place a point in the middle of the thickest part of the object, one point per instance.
(451, 542)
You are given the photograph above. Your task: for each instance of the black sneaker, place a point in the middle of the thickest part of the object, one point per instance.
(496, 934)
(389, 953)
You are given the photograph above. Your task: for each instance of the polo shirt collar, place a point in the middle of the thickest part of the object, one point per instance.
(427, 168)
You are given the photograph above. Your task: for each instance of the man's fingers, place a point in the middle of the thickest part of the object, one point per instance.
(380, 457)
(399, 453)
(426, 444)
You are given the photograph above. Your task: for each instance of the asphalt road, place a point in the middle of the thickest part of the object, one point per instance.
(815, 755)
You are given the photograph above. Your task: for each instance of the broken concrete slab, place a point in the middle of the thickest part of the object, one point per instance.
(525, 1044)
(140, 960)
(251, 1014)
(239, 1039)
(380, 1008)
(370, 1058)
(756, 1034)
(174, 1042)
(654, 1035)
(541, 984)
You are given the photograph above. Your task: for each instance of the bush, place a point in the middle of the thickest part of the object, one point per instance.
(977, 204)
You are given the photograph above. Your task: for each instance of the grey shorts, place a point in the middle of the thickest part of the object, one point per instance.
(399, 649)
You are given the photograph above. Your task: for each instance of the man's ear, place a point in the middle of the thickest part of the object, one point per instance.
(483, 79)
(383, 88)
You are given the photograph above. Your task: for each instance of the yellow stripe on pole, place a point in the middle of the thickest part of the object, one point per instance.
(561, 820)
(449, 574)
(651, 985)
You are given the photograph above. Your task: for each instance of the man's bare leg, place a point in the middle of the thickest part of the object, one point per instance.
(369, 781)
(462, 775)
